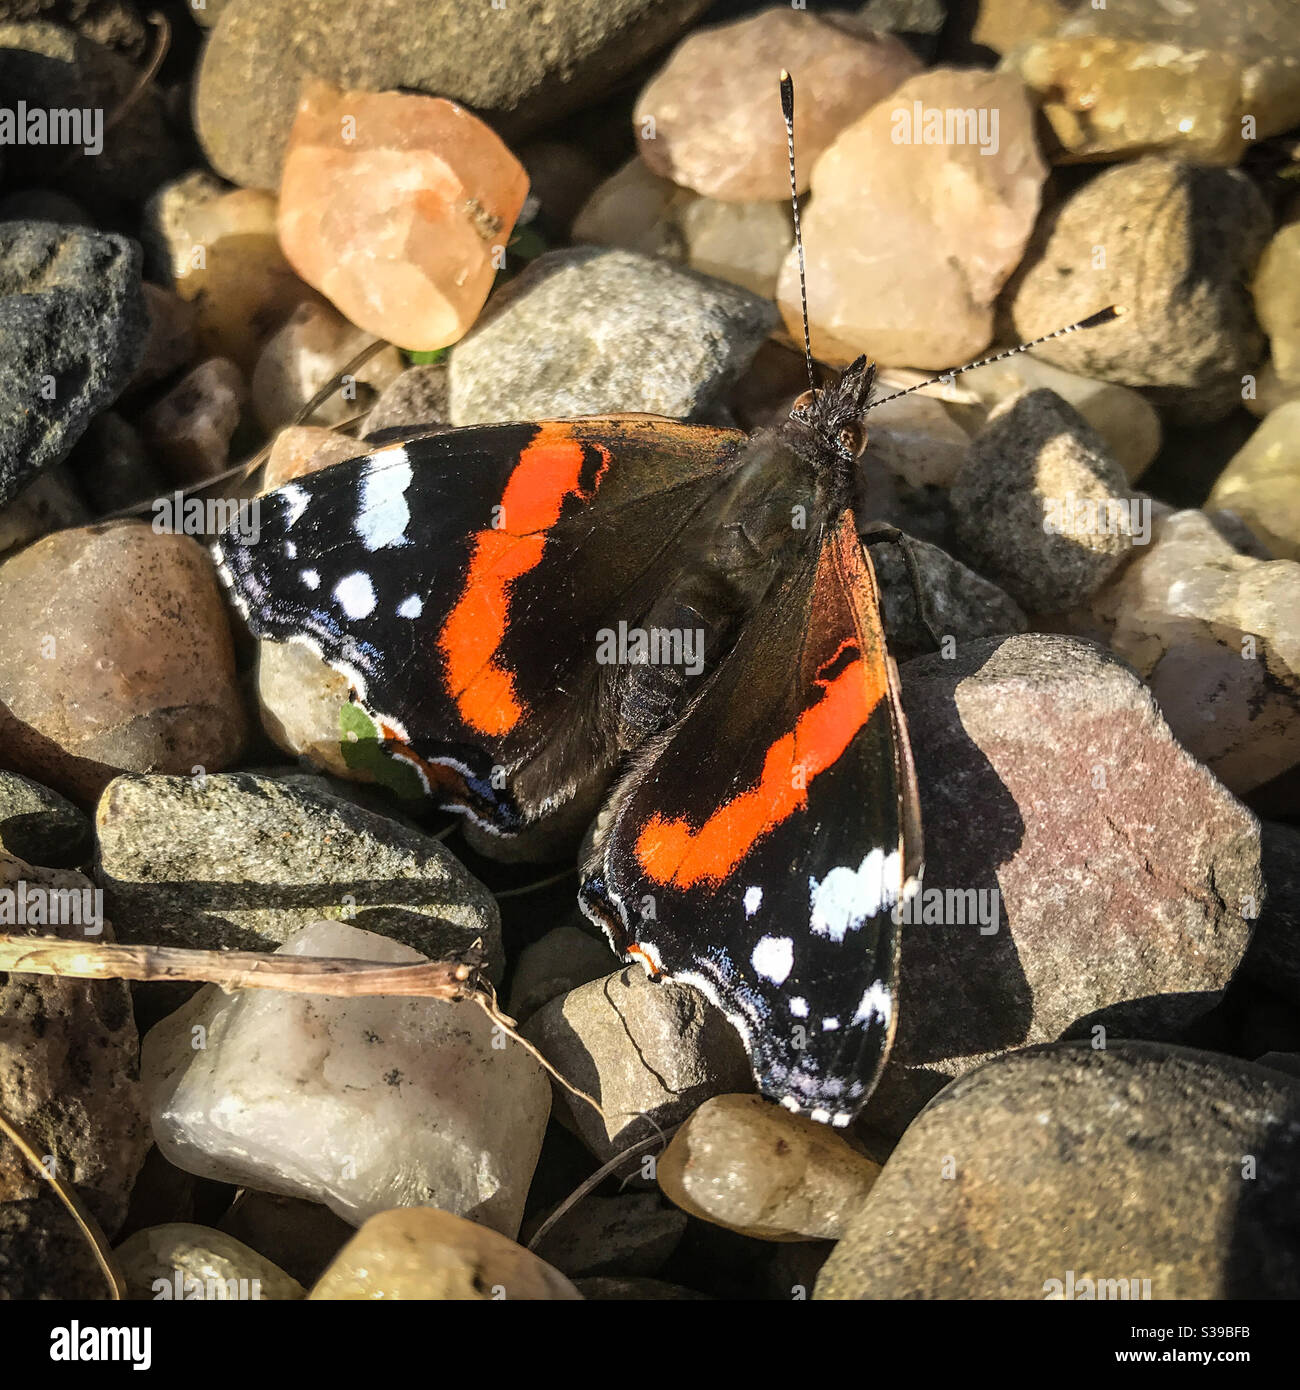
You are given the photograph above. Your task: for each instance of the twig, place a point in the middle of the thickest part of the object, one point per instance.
(90, 1228)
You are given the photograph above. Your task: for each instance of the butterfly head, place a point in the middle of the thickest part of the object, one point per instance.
(834, 413)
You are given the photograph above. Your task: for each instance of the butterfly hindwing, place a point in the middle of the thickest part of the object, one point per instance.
(460, 581)
(759, 849)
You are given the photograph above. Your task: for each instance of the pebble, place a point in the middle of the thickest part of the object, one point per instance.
(301, 449)
(1180, 244)
(301, 1237)
(706, 123)
(398, 208)
(171, 343)
(112, 467)
(1146, 76)
(494, 60)
(569, 337)
(116, 24)
(39, 825)
(420, 396)
(50, 502)
(636, 209)
(1124, 418)
(44, 1253)
(651, 1053)
(1055, 1171)
(198, 1264)
(1276, 291)
(633, 1234)
(132, 622)
(908, 244)
(1046, 913)
(1261, 483)
(313, 346)
(1213, 632)
(962, 605)
(363, 1104)
(741, 1162)
(1265, 390)
(560, 961)
(242, 861)
(1036, 464)
(68, 1075)
(72, 330)
(220, 249)
(189, 430)
(424, 1253)
(916, 438)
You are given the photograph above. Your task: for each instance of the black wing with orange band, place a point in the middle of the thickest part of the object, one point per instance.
(758, 854)
(460, 580)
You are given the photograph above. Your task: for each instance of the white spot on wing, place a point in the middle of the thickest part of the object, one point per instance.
(383, 515)
(311, 579)
(295, 500)
(830, 1025)
(773, 958)
(410, 607)
(355, 595)
(291, 550)
(846, 897)
(875, 1004)
(753, 900)
(799, 1006)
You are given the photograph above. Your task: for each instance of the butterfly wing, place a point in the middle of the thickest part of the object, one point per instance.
(460, 581)
(758, 852)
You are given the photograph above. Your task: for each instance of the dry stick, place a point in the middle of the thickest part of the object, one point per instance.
(90, 1228)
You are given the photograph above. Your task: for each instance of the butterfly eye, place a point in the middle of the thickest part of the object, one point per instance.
(853, 439)
(802, 403)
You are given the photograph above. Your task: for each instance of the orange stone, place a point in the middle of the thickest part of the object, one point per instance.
(395, 207)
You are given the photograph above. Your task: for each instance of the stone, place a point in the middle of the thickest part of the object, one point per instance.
(708, 121)
(961, 604)
(1180, 244)
(560, 961)
(520, 65)
(649, 1053)
(196, 1263)
(68, 1076)
(746, 1164)
(189, 430)
(1145, 77)
(420, 396)
(242, 861)
(1276, 290)
(49, 67)
(44, 1253)
(301, 1237)
(1040, 506)
(1262, 482)
(631, 1234)
(423, 1253)
(50, 502)
(301, 449)
(72, 329)
(914, 283)
(314, 345)
(170, 344)
(636, 209)
(919, 23)
(112, 467)
(39, 825)
(116, 24)
(1106, 882)
(361, 1103)
(568, 337)
(916, 438)
(132, 622)
(1063, 1172)
(220, 250)
(1213, 632)
(1265, 390)
(398, 208)
(1128, 422)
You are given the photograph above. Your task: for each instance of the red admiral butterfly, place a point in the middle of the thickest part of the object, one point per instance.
(763, 823)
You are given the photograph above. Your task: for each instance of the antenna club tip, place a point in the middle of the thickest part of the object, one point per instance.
(785, 76)
(1119, 310)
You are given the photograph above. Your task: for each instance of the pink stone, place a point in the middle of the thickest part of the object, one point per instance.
(711, 119)
(393, 206)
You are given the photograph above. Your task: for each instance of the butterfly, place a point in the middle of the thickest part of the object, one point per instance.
(671, 630)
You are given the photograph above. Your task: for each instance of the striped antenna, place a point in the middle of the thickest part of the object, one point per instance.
(787, 110)
(1106, 315)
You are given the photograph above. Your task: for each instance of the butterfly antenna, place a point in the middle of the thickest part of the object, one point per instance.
(787, 110)
(1106, 315)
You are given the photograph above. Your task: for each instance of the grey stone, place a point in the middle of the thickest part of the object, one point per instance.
(566, 957)
(1180, 244)
(71, 310)
(1033, 460)
(420, 396)
(590, 331)
(528, 61)
(1063, 1164)
(240, 861)
(40, 826)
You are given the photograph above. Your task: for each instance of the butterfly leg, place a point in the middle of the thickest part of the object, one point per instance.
(883, 531)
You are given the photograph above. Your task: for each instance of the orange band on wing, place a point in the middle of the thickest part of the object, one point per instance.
(548, 471)
(671, 852)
